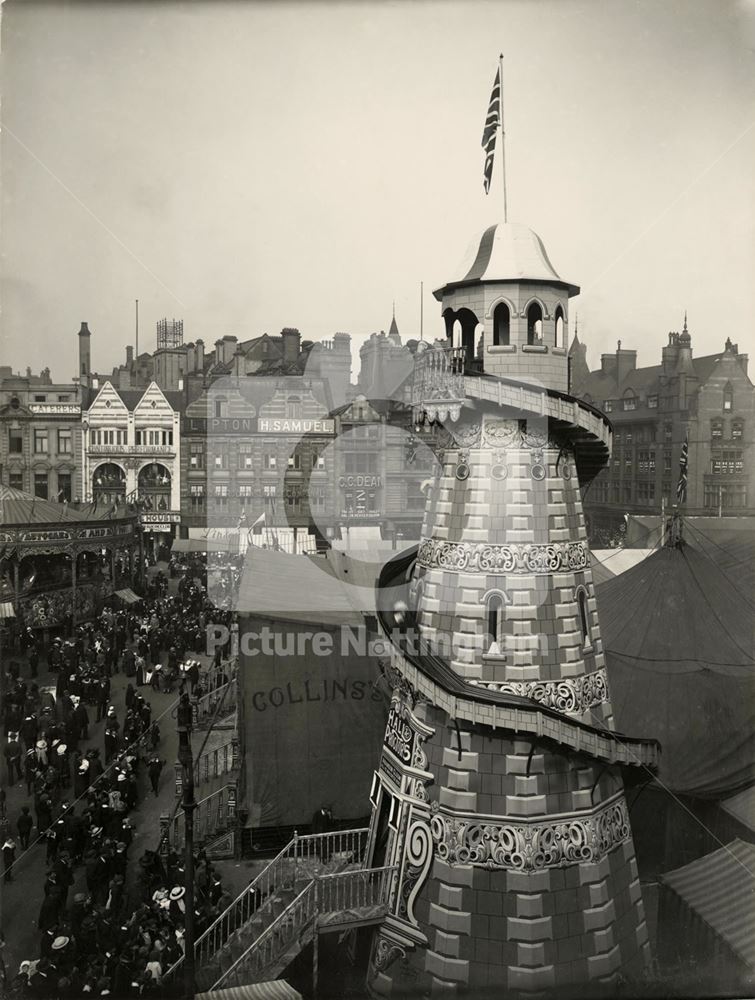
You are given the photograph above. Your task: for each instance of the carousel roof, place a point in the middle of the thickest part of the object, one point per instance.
(18, 509)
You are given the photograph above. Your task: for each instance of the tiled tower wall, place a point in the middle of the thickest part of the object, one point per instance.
(546, 362)
(524, 931)
(523, 537)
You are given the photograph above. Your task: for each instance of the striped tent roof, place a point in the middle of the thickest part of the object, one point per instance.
(18, 508)
(720, 888)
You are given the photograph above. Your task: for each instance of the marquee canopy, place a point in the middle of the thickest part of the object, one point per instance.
(678, 636)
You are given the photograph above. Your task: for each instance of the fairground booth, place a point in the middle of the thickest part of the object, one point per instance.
(58, 565)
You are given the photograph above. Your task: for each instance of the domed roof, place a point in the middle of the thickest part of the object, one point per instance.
(507, 251)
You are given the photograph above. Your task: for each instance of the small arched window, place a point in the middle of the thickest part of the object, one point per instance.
(728, 398)
(737, 430)
(501, 325)
(535, 324)
(495, 609)
(293, 406)
(559, 341)
(584, 618)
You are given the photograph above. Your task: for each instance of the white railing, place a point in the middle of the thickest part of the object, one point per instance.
(349, 894)
(203, 709)
(439, 375)
(281, 874)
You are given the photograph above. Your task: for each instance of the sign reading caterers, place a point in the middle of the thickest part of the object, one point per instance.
(295, 425)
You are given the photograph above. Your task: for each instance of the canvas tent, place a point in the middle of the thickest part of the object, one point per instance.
(678, 638)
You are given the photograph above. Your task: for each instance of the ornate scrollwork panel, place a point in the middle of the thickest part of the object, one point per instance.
(482, 557)
(570, 694)
(531, 847)
(418, 856)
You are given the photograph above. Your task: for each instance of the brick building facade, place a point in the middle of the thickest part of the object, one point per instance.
(709, 401)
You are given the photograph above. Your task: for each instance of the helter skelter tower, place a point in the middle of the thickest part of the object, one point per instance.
(500, 791)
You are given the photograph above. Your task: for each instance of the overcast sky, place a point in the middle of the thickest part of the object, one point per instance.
(249, 166)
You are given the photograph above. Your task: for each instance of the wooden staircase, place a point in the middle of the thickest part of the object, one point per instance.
(315, 883)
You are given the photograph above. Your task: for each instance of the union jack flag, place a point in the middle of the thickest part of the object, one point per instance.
(492, 122)
(681, 486)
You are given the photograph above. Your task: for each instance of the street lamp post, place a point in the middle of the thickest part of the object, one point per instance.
(184, 720)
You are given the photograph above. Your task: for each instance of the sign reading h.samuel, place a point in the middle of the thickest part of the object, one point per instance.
(295, 425)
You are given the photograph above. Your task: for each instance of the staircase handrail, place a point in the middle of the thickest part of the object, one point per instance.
(307, 906)
(264, 887)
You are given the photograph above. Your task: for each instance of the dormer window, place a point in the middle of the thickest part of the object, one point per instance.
(630, 400)
(501, 325)
(534, 324)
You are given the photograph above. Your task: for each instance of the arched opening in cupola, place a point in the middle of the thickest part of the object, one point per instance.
(535, 324)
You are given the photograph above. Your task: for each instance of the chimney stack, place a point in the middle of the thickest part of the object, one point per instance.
(85, 353)
(291, 344)
(129, 355)
(199, 354)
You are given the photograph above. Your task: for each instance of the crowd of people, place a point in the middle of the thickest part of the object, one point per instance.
(120, 933)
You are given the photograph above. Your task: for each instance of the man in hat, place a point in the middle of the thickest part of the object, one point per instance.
(154, 767)
(9, 856)
(33, 661)
(81, 718)
(30, 770)
(24, 825)
(12, 751)
(177, 908)
(28, 731)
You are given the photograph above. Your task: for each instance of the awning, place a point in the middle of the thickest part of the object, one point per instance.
(278, 989)
(6, 610)
(719, 889)
(127, 596)
(742, 807)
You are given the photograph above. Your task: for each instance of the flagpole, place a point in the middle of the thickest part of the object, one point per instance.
(503, 142)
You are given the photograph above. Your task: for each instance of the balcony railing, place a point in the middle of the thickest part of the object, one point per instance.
(131, 449)
(438, 387)
(204, 708)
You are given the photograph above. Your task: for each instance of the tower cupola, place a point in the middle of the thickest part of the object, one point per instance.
(507, 306)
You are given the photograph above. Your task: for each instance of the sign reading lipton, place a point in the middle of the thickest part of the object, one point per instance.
(295, 425)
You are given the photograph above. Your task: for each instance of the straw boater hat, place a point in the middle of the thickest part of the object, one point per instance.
(96, 831)
(62, 749)
(80, 897)
(41, 744)
(84, 766)
(9, 843)
(177, 892)
(60, 942)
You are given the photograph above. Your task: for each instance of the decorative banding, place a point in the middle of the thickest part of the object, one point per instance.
(570, 694)
(519, 845)
(483, 557)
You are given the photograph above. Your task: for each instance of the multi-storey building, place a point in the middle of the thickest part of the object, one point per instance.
(708, 402)
(253, 446)
(131, 452)
(40, 441)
